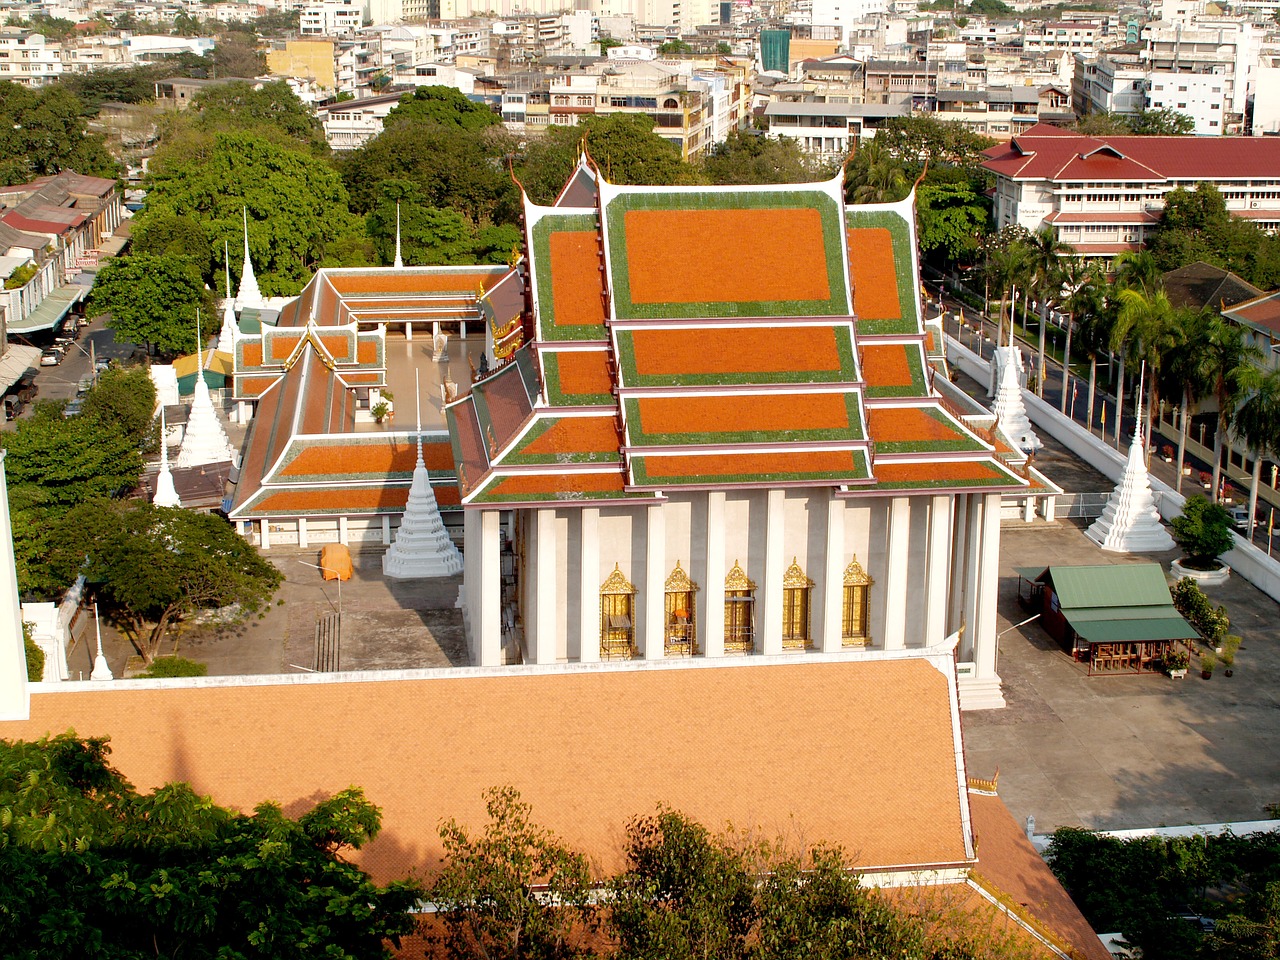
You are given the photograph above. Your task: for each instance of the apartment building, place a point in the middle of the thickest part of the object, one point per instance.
(1104, 195)
(1004, 112)
(829, 130)
(1087, 36)
(27, 59)
(1111, 82)
(1225, 47)
(331, 18)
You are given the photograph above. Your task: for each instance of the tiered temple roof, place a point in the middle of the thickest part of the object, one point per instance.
(704, 337)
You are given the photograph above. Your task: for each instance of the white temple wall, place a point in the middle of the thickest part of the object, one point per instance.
(917, 571)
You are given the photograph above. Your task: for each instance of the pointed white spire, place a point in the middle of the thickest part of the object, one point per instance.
(422, 547)
(1130, 522)
(399, 261)
(227, 335)
(249, 295)
(1010, 411)
(166, 493)
(101, 670)
(205, 440)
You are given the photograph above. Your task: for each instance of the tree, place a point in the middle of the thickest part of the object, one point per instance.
(1184, 371)
(1231, 371)
(1203, 531)
(1160, 123)
(444, 106)
(43, 132)
(1257, 423)
(152, 300)
(876, 176)
(93, 867)
(674, 48)
(237, 55)
(260, 109)
(751, 158)
(157, 565)
(512, 892)
(430, 235)
(1008, 264)
(297, 206)
(952, 218)
(1045, 251)
(170, 235)
(922, 138)
(1147, 322)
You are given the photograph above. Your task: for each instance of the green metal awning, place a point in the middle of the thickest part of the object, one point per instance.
(1154, 626)
(50, 312)
(1115, 603)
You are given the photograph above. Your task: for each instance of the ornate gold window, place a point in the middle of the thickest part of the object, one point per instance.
(681, 632)
(739, 611)
(797, 589)
(617, 617)
(854, 631)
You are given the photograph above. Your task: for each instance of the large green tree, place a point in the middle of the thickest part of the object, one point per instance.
(749, 157)
(153, 300)
(952, 217)
(444, 106)
(93, 868)
(258, 108)
(297, 207)
(44, 132)
(156, 565)
(431, 235)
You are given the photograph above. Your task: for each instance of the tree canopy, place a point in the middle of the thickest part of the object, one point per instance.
(248, 106)
(1145, 123)
(1197, 226)
(442, 105)
(748, 157)
(43, 131)
(92, 867)
(152, 299)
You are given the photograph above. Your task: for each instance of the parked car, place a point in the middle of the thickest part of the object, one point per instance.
(51, 357)
(1239, 518)
(13, 405)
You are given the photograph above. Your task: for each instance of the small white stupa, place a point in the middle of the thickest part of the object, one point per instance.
(205, 440)
(1130, 522)
(166, 493)
(399, 264)
(422, 547)
(101, 669)
(1010, 411)
(227, 335)
(248, 295)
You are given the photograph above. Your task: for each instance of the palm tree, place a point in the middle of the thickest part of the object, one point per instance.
(1231, 363)
(879, 178)
(1257, 423)
(1184, 371)
(1145, 322)
(1008, 264)
(1046, 253)
(1084, 296)
(1134, 271)
(1095, 334)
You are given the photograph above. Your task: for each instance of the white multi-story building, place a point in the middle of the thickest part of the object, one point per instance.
(844, 14)
(1113, 82)
(1226, 47)
(1200, 96)
(331, 18)
(26, 58)
(1070, 35)
(1105, 195)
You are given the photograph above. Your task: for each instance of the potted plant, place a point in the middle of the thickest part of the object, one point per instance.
(380, 410)
(1228, 655)
(1208, 660)
(1206, 479)
(1176, 662)
(1204, 532)
(1166, 453)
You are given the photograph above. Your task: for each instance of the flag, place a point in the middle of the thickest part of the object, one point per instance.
(1104, 416)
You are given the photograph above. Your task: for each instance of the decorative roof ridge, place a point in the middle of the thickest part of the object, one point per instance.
(583, 411)
(822, 186)
(889, 339)
(553, 469)
(569, 346)
(967, 456)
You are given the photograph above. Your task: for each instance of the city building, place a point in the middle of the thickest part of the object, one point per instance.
(1104, 195)
(828, 129)
(1003, 113)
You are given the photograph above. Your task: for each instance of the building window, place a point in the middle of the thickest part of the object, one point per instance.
(856, 618)
(617, 617)
(797, 589)
(739, 611)
(681, 635)
(671, 103)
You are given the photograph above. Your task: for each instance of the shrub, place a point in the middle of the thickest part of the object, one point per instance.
(174, 667)
(1203, 531)
(35, 656)
(1212, 623)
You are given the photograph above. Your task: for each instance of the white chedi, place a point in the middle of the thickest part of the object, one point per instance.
(205, 440)
(166, 493)
(422, 547)
(1130, 522)
(1010, 411)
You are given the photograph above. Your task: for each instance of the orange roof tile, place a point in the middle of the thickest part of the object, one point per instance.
(557, 484)
(252, 353)
(840, 462)
(334, 500)
(410, 282)
(576, 278)
(887, 365)
(583, 372)
(875, 279)
(251, 386)
(744, 255)
(583, 780)
(577, 435)
(712, 350)
(282, 346)
(744, 413)
(394, 455)
(958, 472)
(908, 424)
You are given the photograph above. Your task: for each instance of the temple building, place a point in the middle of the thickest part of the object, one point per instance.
(687, 422)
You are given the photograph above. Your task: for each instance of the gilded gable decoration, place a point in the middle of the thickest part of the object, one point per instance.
(678, 581)
(617, 583)
(855, 576)
(738, 580)
(794, 577)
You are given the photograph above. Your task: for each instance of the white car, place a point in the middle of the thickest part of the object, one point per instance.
(1239, 518)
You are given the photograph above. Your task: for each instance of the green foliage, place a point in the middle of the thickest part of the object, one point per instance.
(175, 667)
(35, 656)
(1147, 123)
(43, 131)
(298, 208)
(752, 158)
(875, 175)
(431, 235)
(156, 565)
(92, 867)
(921, 138)
(952, 218)
(135, 84)
(443, 106)
(21, 276)
(152, 300)
(486, 897)
(1212, 623)
(123, 401)
(248, 107)
(1197, 226)
(674, 48)
(990, 8)
(168, 235)
(1203, 530)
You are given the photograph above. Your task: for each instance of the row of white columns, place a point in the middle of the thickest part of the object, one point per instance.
(960, 583)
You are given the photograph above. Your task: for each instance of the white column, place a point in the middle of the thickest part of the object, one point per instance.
(589, 565)
(462, 329)
(484, 593)
(386, 530)
(302, 531)
(938, 576)
(1048, 505)
(342, 531)
(895, 574)
(408, 330)
(984, 632)
(653, 596)
(265, 535)
(833, 578)
(959, 568)
(769, 597)
(435, 332)
(711, 621)
(542, 640)
(15, 697)
(973, 572)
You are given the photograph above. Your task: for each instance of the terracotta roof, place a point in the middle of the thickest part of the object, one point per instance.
(1128, 217)
(580, 189)
(576, 279)
(957, 474)
(1047, 153)
(577, 376)
(1262, 312)
(503, 403)
(894, 369)
(685, 745)
(1108, 248)
(764, 353)
(414, 280)
(743, 417)
(787, 466)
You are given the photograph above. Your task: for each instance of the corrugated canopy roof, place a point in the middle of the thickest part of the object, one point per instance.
(1114, 603)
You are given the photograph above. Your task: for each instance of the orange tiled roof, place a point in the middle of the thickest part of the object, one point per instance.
(583, 372)
(575, 279)
(583, 780)
(696, 351)
(875, 288)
